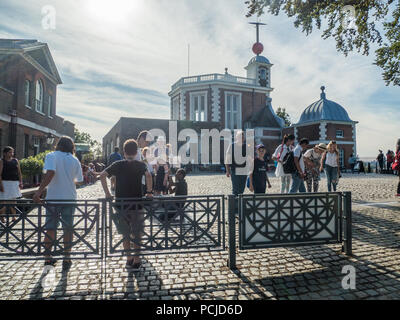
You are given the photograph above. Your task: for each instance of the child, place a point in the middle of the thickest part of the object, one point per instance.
(179, 188)
(259, 177)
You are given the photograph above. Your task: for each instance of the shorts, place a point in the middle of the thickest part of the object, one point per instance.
(129, 221)
(53, 214)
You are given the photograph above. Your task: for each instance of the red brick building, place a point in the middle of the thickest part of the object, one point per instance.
(325, 121)
(28, 95)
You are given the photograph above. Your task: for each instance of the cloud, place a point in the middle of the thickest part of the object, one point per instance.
(126, 68)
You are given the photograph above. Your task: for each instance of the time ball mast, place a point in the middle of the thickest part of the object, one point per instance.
(258, 47)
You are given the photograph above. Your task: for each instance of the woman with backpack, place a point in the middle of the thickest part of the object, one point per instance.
(279, 155)
(396, 166)
(332, 166)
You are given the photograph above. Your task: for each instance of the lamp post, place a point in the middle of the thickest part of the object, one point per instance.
(50, 139)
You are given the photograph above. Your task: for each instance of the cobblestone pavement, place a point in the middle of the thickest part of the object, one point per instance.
(313, 272)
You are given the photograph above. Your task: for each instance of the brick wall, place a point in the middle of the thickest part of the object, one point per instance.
(331, 131)
(310, 132)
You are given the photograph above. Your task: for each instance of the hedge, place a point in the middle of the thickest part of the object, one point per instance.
(33, 166)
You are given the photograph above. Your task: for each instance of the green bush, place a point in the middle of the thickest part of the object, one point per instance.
(33, 166)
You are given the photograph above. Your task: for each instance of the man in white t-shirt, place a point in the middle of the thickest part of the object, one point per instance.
(63, 171)
(299, 175)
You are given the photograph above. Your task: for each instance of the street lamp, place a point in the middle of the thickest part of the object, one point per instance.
(50, 139)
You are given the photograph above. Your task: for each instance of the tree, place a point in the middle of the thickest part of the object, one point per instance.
(281, 113)
(95, 146)
(370, 16)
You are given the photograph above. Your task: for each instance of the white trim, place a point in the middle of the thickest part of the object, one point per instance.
(183, 105)
(270, 137)
(175, 108)
(38, 127)
(326, 121)
(322, 130)
(269, 128)
(215, 109)
(220, 85)
(5, 117)
(239, 108)
(38, 66)
(194, 94)
(337, 142)
(355, 139)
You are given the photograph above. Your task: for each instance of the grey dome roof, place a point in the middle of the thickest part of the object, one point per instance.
(259, 59)
(324, 109)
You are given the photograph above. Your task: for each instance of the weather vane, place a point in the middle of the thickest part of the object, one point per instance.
(258, 47)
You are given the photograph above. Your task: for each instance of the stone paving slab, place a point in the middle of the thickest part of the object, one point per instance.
(300, 273)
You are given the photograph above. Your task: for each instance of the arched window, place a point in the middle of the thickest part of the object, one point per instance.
(39, 96)
(27, 93)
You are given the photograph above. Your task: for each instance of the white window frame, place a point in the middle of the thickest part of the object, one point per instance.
(239, 94)
(27, 89)
(36, 144)
(50, 102)
(339, 135)
(39, 100)
(199, 94)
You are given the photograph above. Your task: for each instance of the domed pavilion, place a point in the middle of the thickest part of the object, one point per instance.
(326, 120)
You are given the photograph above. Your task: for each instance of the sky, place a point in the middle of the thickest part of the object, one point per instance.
(120, 58)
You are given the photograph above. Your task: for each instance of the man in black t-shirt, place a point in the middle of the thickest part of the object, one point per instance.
(129, 216)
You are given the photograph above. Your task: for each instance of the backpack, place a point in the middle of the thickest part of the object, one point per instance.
(288, 163)
(396, 163)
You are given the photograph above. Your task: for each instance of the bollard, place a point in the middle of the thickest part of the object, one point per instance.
(348, 227)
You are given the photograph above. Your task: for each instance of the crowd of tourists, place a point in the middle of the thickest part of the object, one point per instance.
(298, 166)
(133, 176)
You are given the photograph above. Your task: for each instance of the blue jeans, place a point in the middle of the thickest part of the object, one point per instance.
(238, 183)
(297, 184)
(238, 186)
(332, 177)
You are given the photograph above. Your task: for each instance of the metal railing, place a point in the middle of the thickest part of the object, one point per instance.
(24, 229)
(167, 225)
(102, 228)
(289, 220)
